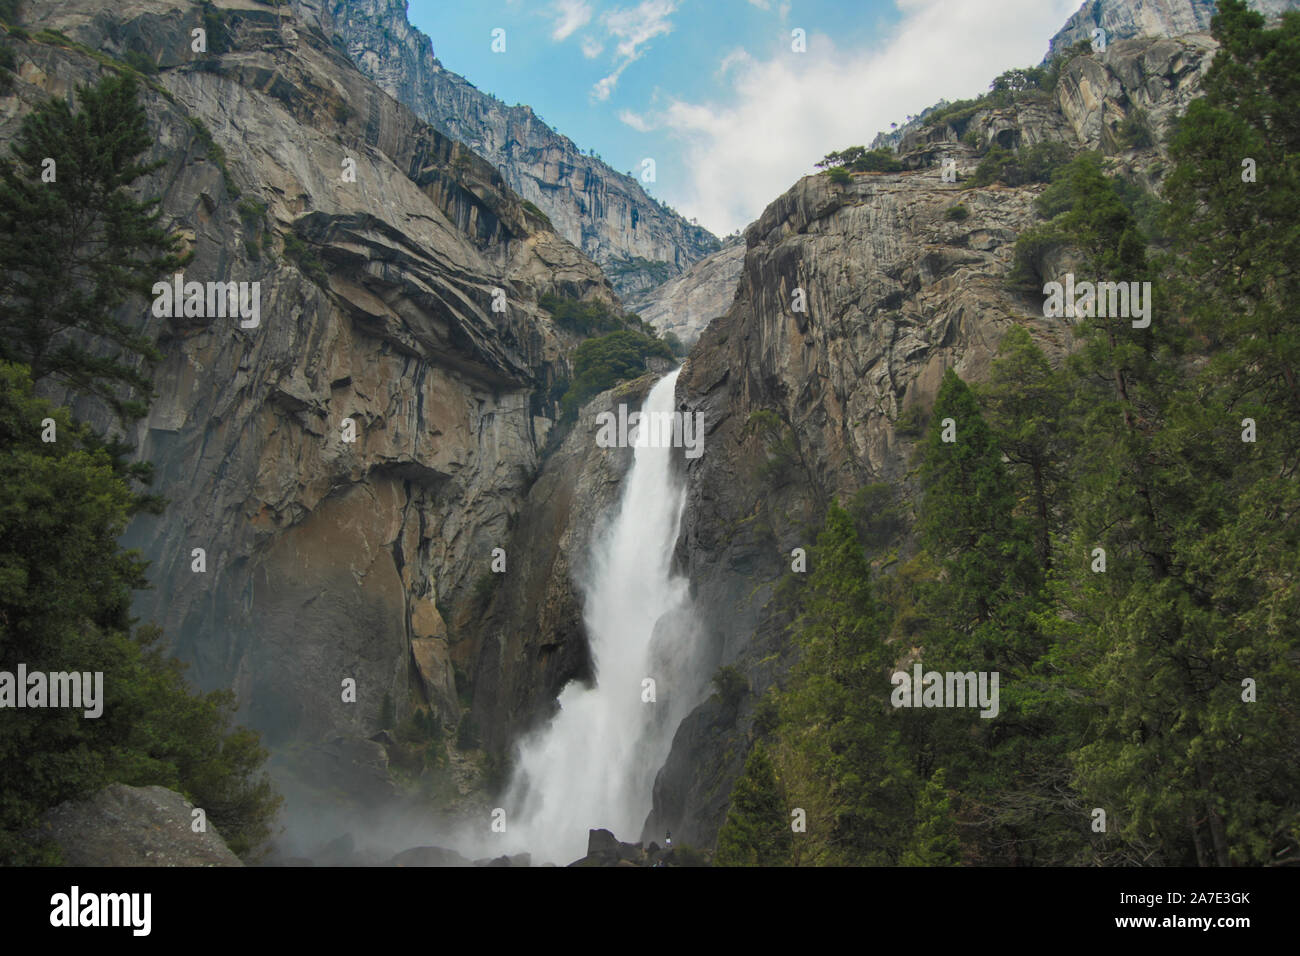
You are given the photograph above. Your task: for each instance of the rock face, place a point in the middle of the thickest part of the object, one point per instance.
(1153, 77)
(338, 475)
(605, 213)
(134, 826)
(605, 849)
(533, 637)
(1122, 20)
(686, 304)
(896, 293)
(1125, 19)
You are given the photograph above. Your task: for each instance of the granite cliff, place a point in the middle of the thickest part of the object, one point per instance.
(639, 242)
(348, 465)
(896, 291)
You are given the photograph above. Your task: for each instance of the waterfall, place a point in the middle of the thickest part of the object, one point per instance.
(594, 764)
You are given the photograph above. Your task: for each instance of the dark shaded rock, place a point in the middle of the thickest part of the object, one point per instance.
(429, 856)
(601, 842)
(134, 826)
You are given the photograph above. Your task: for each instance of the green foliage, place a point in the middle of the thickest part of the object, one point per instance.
(65, 590)
(251, 212)
(998, 165)
(779, 443)
(140, 63)
(1061, 61)
(532, 210)
(212, 149)
(75, 251)
(730, 685)
(467, 735)
(968, 525)
(585, 318)
(934, 838)
(304, 256)
(1134, 131)
(1124, 688)
(1083, 206)
(838, 748)
(684, 855)
(839, 175)
(216, 23)
(957, 213)
(1026, 402)
(1041, 162)
(955, 114)
(655, 271)
(878, 517)
(603, 362)
(911, 422)
(859, 159)
(484, 587)
(418, 743)
(1032, 164)
(675, 345)
(10, 11)
(1007, 89)
(1020, 80)
(757, 830)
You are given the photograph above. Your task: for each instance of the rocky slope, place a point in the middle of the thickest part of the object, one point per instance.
(325, 559)
(896, 292)
(686, 304)
(1122, 20)
(1125, 19)
(605, 213)
(134, 826)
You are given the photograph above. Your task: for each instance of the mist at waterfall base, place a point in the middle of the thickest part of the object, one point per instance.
(594, 764)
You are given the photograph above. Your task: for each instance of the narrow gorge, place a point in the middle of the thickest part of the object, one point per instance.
(475, 616)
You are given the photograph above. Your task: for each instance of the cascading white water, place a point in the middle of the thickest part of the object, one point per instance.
(594, 764)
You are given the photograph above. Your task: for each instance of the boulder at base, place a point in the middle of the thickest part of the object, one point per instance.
(134, 826)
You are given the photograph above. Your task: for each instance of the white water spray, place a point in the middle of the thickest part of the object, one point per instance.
(594, 764)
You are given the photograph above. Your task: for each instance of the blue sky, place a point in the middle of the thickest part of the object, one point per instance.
(714, 91)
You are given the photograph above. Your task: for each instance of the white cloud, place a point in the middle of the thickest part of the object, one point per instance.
(634, 120)
(637, 25)
(570, 15)
(591, 47)
(605, 86)
(791, 109)
(737, 57)
(633, 27)
(761, 4)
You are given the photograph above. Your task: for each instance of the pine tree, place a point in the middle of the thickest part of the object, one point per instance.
(1199, 527)
(838, 746)
(1026, 401)
(65, 590)
(969, 527)
(75, 250)
(757, 829)
(934, 838)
